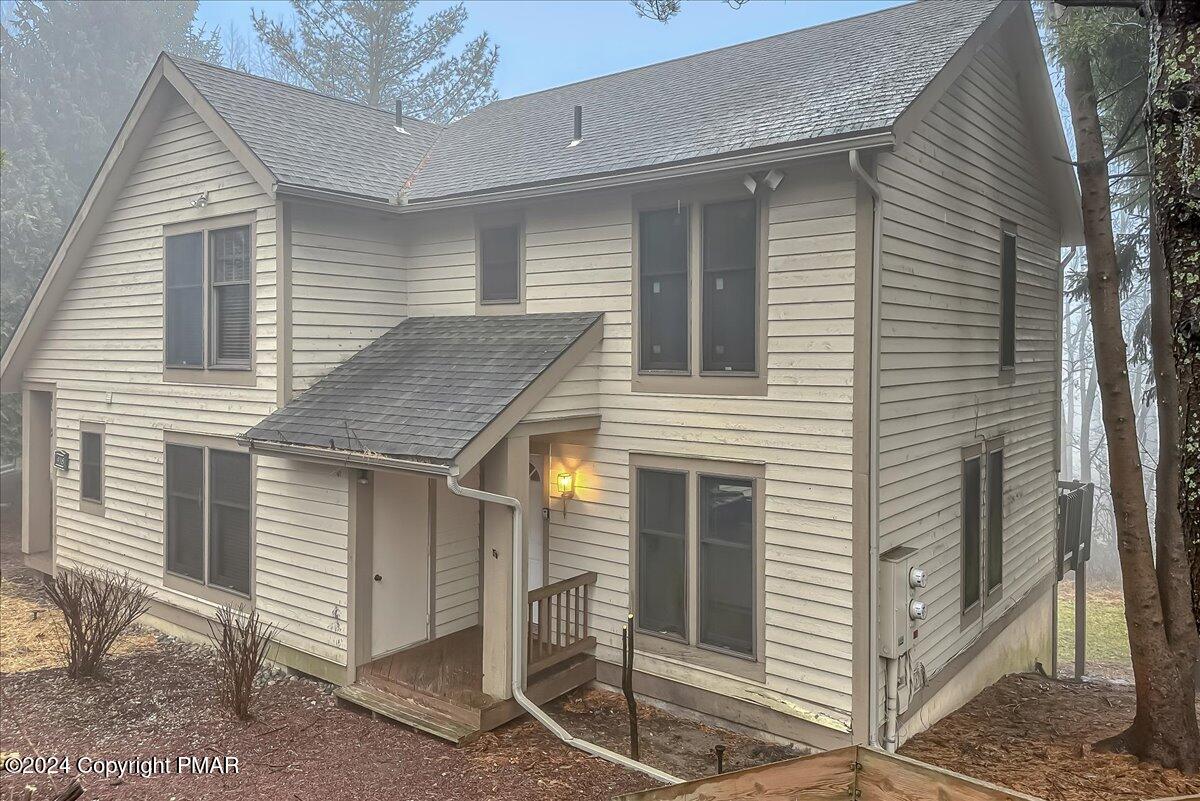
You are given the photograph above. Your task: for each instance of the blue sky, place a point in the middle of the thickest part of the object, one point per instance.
(544, 44)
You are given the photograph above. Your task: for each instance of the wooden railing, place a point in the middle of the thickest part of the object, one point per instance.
(558, 627)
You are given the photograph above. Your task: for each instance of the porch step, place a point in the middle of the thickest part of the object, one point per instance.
(409, 712)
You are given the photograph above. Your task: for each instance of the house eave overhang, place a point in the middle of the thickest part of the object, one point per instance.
(863, 140)
(344, 458)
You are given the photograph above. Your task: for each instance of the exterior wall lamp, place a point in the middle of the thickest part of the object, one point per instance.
(566, 489)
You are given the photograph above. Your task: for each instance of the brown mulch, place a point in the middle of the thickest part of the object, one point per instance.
(1034, 735)
(681, 747)
(302, 745)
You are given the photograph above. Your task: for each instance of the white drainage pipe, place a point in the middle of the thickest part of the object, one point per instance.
(517, 647)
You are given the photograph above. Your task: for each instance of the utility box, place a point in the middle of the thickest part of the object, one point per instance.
(899, 579)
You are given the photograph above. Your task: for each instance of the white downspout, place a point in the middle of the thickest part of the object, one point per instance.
(517, 646)
(873, 460)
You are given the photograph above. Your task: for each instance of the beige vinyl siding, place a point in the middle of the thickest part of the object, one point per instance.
(457, 571)
(348, 286)
(966, 167)
(578, 257)
(301, 553)
(103, 350)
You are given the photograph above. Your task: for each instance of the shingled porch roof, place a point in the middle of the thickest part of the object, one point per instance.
(431, 388)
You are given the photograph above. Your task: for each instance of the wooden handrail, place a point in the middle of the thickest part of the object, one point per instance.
(562, 614)
(560, 586)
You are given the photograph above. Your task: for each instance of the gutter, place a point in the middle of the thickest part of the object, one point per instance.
(873, 440)
(729, 162)
(517, 646)
(346, 458)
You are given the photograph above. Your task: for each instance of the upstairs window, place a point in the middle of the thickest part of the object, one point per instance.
(700, 295)
(208, 312)
(729, 289)
(1008, 298)
(229, 259)
(500, 264)
(663, 256)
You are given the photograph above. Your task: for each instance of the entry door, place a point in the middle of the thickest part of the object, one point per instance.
(399, 562)
(537, 527)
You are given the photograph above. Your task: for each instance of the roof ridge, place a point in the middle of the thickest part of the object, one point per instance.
(888, 9)
(304, 89)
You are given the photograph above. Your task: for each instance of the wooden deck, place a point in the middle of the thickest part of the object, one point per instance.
(437, 686)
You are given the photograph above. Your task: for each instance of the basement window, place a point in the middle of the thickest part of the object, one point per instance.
(995, 521)
(91, 466)
(208, 521)
(971, 555)
(698, 561)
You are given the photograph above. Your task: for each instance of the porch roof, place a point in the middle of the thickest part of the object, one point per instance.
(431, 388)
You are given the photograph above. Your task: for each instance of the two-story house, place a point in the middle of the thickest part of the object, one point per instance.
(719, 347)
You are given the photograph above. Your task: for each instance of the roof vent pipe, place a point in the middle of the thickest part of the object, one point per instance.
(399, 126)
(578, 127)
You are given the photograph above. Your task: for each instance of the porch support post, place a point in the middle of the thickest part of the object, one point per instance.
(505, 472)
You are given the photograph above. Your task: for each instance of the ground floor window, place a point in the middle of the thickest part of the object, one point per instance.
(208, 521)
(698, 544)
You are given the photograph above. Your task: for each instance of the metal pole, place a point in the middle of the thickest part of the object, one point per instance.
(1080, 619)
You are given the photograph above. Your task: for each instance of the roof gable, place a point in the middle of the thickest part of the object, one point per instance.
(308, 139)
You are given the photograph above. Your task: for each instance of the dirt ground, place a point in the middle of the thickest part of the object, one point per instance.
(1034, 735)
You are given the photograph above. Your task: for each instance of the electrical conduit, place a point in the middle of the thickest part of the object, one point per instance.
(517, 646)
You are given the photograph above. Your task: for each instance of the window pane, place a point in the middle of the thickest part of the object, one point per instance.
(729, 289)
(185, 512)
(663, 289)
(91, 476)
(184, 313)
(662, 554)
(995, 510)
(1008, 301)
(970, 533)
(230, 264)
(229, 520)
(727, 563)
(231, 318)
(499, 263)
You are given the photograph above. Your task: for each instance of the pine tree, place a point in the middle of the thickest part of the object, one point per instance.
(374, 52)
(70, 71)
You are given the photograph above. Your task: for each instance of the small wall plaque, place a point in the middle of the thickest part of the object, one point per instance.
(62, 460)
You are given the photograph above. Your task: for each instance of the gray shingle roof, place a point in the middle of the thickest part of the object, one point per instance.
(841, 78)
(426, 388)
(308, 139)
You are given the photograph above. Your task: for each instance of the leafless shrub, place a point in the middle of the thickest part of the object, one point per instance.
(241, 639)
(97, 605)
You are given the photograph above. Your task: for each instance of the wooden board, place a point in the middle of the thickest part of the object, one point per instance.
(821, 777)
(855, 772)
(891, 777)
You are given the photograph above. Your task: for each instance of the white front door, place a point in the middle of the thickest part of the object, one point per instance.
(537, 528)
(399, 562)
